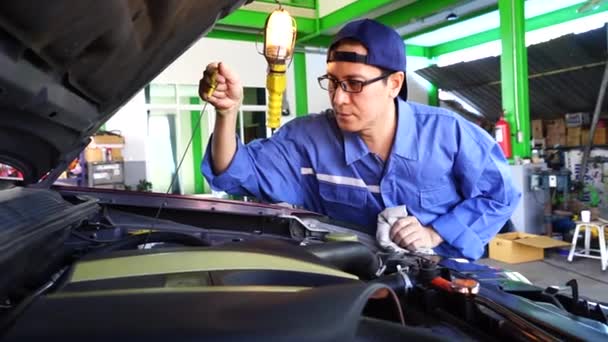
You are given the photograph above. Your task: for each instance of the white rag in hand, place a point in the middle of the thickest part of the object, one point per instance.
(386, 219)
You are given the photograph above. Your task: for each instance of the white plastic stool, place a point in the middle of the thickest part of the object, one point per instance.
(586, 252)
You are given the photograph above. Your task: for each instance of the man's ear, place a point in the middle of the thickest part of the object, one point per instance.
(395, 80)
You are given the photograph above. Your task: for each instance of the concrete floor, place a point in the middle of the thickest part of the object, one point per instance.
(556, 270)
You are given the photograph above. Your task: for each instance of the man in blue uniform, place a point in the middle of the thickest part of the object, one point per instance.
(372, 151)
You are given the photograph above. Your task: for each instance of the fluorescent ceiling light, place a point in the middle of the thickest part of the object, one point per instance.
(485, 22)
(544, 34)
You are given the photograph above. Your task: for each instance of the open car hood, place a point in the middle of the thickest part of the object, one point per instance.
(67, 66)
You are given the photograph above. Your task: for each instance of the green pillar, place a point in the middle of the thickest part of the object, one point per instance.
(514, 74)
(299, 68)
(433, 96)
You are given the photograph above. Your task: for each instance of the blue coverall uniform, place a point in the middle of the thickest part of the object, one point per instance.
(449, 173)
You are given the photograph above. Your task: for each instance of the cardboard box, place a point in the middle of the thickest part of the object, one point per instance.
(108, 139)
(573, 138)
(600, 137)
(99, 145)
(573, 141)
(518, 247)
(537, 129)
(555, 127)
(553, 140)
(584, 136)
(93, 155)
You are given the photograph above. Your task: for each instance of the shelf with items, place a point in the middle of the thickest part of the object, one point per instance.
(570, 131)
(104, 147)
(105, 174)
(102, 162)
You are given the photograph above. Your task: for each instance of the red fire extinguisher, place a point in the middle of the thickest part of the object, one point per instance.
(502, 133)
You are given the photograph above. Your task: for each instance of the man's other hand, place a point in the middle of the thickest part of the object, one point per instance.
(410, 234)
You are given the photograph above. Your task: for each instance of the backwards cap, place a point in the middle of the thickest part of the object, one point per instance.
(385, 48)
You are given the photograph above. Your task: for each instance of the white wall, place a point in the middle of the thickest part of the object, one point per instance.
(318, 99)
(132, 122)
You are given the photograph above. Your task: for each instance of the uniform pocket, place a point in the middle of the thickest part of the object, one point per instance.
(344, 203)
(439, 200)
(342, 194)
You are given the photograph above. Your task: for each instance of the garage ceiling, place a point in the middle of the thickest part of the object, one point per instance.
(564, 77)
(318, 20)
(554, 87)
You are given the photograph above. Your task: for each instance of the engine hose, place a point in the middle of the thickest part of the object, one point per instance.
(399, 282)
(348, 256)
(169, 237)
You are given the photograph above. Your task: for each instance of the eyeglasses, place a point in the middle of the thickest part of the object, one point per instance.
(329, 83)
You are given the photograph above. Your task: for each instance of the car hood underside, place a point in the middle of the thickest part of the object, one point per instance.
(67, 66)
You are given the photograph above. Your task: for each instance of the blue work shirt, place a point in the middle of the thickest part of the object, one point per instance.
(449, 173)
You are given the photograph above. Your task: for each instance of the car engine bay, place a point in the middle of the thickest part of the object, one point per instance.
(75, 258)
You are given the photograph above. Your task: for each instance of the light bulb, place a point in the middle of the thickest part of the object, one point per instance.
(279, 38)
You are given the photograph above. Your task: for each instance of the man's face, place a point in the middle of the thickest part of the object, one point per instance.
(356, 112)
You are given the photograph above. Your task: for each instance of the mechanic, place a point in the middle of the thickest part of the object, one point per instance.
(373, 151)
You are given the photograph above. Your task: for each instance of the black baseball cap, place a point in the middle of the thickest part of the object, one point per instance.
(385, 48)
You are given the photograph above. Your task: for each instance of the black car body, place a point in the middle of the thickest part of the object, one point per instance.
(100, 264)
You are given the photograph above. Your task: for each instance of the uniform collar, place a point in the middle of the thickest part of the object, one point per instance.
(354, 147)
(405, 143)
(406, 138)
